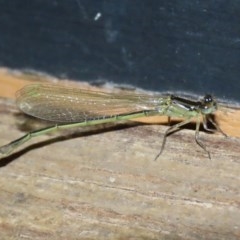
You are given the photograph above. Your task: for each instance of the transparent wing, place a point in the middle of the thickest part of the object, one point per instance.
(65, 104)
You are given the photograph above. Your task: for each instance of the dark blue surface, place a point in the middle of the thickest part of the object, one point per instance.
(157, 45)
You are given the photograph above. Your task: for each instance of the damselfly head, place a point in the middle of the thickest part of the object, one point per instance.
(208, 104)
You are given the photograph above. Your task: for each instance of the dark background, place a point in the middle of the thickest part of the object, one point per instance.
(173, 45)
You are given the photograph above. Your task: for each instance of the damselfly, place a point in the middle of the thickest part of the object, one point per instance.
(69, 107)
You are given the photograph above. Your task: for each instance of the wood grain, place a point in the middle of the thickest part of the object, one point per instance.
(102, 183)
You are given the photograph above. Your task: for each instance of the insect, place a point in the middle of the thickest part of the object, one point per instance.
(69, 107)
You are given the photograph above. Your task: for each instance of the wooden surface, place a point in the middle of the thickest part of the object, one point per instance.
(103, 183)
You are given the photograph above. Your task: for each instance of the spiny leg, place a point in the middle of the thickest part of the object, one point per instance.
(205, 118)
(170, 130)
(197, 137)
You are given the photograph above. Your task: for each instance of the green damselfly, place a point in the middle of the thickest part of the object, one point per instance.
(69, 107)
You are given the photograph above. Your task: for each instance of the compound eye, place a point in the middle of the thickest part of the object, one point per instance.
(208, 104)
(208, 98)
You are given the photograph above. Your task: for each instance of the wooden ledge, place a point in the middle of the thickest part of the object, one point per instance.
(104, 184)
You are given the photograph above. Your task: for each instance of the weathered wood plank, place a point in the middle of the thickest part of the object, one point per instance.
(104, 184)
